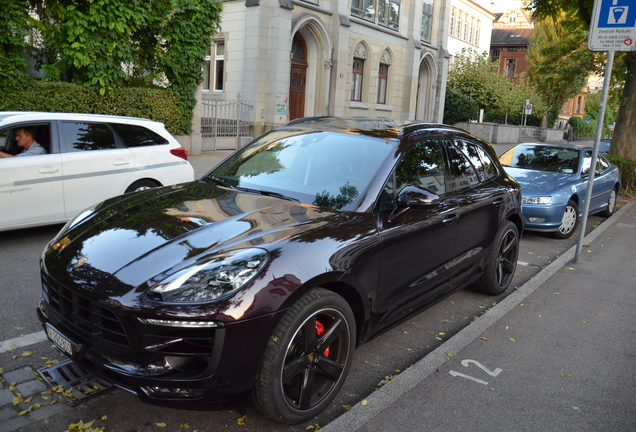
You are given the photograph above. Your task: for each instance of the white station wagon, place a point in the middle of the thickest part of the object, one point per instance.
(89, 158)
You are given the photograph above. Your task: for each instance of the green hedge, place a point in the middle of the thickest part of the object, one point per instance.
(152, 103)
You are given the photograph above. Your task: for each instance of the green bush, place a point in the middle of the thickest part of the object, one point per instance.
(582, 129)
(152, 103)
(458, 108)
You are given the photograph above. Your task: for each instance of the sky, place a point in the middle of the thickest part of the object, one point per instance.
(500, 5)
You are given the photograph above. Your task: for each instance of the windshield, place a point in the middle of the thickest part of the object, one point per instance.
(542, 158)
(326, 169)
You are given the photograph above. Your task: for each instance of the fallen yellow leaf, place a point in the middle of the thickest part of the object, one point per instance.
(364, 402)
(512, 340)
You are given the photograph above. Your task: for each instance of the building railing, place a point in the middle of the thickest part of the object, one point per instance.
(226, 119)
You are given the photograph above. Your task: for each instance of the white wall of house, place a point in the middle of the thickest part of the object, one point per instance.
(471, 13)
(258, 37)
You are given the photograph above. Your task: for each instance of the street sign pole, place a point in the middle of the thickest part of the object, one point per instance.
(613, 28)
(597, 139)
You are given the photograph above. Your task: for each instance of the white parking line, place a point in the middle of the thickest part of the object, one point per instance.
(22, 341)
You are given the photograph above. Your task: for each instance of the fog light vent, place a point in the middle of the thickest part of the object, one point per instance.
(173, 393)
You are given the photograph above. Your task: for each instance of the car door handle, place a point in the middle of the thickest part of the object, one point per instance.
(48, 170)
(121, 162)
(498, 201)
(450, 218)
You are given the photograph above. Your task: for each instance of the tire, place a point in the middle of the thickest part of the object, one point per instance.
(307, 358)
(611, 205)
(502, 262)
(569, 222)
(142, 185)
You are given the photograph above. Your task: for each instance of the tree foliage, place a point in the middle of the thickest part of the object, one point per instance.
(109, 44)
(14, 24)
(473, 76)
(624, 71)
(558, 60)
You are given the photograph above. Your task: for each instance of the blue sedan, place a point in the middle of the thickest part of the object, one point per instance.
(554, 181)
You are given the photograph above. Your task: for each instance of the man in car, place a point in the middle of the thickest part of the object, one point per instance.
(25, 137)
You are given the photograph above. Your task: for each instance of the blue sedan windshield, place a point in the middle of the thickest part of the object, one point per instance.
(542, 158)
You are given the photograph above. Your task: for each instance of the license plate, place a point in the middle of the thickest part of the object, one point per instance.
(60, 341)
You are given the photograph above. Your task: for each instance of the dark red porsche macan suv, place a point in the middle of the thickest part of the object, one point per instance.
(264, 275)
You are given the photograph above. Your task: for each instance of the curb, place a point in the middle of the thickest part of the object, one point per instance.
(390, 393)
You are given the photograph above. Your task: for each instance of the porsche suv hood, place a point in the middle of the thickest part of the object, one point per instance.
(129, 239)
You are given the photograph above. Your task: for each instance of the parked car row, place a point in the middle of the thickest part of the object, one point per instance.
(84, 159)
(262, 277)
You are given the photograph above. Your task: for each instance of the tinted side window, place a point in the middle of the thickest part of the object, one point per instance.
(137, 136)
(87, 136)
(422, 166)
(462, 174)
(479, 158)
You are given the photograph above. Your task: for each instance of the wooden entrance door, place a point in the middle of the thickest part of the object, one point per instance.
(298, 78)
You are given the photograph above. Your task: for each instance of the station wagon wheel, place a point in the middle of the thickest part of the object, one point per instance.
(502, 263)
(142, 185)
(611, 204)
(569, 222)
(307, 358)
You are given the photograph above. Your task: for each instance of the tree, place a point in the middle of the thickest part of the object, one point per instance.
(558, 60)
(472, 75)
(14, 23)
(623, 144)
(107, 44)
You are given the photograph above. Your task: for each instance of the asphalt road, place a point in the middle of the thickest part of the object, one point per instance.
(380, 359)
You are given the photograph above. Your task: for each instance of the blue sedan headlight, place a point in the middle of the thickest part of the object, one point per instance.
(220, 276)
(537, 200)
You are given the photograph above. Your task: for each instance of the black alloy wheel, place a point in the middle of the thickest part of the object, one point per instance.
(307, 358)
(502, 262)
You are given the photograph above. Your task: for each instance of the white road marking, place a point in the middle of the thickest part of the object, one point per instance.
(22, 341)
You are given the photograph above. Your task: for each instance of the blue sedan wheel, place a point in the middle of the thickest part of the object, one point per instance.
(569, 222)
(611, 204)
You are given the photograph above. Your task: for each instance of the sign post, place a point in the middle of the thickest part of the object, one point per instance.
(613, 28)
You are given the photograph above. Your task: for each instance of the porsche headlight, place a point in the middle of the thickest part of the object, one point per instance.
(537, 200)
(223, 274)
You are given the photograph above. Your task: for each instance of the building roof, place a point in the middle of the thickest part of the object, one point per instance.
(504, 37)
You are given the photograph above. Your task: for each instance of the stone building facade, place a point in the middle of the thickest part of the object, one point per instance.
(348, 58)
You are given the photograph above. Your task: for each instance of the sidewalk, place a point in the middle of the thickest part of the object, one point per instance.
(558, 354)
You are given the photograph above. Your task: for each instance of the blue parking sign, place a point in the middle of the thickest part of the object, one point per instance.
(617, 14)
(613, 26)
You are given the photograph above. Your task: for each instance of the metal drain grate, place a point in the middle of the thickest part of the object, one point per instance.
(77, 384)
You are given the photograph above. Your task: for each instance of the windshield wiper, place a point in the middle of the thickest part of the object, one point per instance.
(267, 193)
(222, 183)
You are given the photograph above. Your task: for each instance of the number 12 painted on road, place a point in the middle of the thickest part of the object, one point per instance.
(467, 362)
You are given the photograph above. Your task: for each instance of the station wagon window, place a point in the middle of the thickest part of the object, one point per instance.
(137, 136)
(81, 136)
(462, 174)
(481, 161)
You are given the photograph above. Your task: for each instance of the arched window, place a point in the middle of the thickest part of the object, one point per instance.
(359, 57)
(383, 76)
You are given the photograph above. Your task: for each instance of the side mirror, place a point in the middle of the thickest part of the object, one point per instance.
(415, 197)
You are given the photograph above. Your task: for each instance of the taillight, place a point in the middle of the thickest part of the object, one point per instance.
(180, 152)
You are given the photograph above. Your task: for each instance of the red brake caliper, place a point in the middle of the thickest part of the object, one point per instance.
(320, 329)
